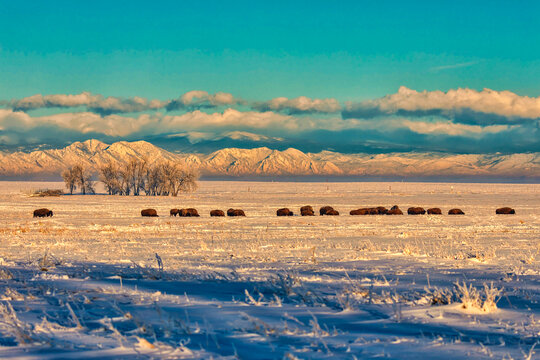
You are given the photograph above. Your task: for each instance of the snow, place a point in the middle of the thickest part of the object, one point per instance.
(99, 281)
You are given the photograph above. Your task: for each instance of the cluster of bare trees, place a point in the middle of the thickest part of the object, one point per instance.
(79, 177)
(137, 176)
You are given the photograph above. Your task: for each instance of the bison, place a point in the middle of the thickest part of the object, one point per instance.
(364, 211)
(434, 211)
(505, 211)
(235, 212)
(217, 213)
(379, 210)
(174, 212)
(332, 212)
(188, 212)
(455, 212)
(359, 212)
(43, 213)
(394, 210)
(149, 212)
(284, 212)
(324, 210)
(416, 211)
(307, 211)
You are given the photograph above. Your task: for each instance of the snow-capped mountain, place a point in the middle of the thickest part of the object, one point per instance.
(263, 161)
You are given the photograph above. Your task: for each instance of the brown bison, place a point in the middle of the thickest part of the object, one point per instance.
(359, 212)
(332, 212)
(379, 210)
(284, 212)
(455, 212)
(235, 212)
(175, 212)
(394, 210)
(188, 212)
(324, 210)
(434, 211)
(307, 211)
(505, 211)
(43, 213)
(217, 213)
(416, 211)
(363, 211)
(149, 212)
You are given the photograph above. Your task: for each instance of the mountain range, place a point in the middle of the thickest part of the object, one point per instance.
(265, 162)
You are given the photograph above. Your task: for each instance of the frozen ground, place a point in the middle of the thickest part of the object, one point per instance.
(99, 281)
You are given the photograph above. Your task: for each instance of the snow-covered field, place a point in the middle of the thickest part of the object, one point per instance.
(99, 281)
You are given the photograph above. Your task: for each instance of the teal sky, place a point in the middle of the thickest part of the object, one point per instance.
(348, 50)
(348, 76)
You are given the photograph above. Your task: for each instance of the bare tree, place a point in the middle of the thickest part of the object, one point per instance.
(187, 180)
(78, 176)
(109, 175)
(162, 179)
(84, 179)
(89, 185)
(70, 179)
(139, 175)
(179, 179)
(154, 180)
(126, 178)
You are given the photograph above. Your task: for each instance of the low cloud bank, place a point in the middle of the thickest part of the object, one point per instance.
(190, 101)
(458, 121)
(245, 128)
(114, 105)
(467, 106)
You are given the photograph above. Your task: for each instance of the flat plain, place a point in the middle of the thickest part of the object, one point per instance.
(99, 281)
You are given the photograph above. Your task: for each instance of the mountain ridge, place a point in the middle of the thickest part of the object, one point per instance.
(264, 162)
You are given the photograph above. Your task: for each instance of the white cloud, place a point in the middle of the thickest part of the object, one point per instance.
(112, 105)
(197, 99)
(94, 103)
(147, 124)
(58, 100)
(244, 135)
(501, 103)
(82, 122)
(199, 125)
(229, 118)
(450, 128)
(195, 137)
(301, 104)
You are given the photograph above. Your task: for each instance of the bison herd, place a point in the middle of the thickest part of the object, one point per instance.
(190, 212)
(304, 211)
(395, 210)
(183, 212)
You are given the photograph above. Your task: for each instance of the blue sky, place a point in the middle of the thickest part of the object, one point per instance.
(349, 51)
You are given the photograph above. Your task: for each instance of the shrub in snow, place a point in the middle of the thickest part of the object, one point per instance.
(472, 298)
